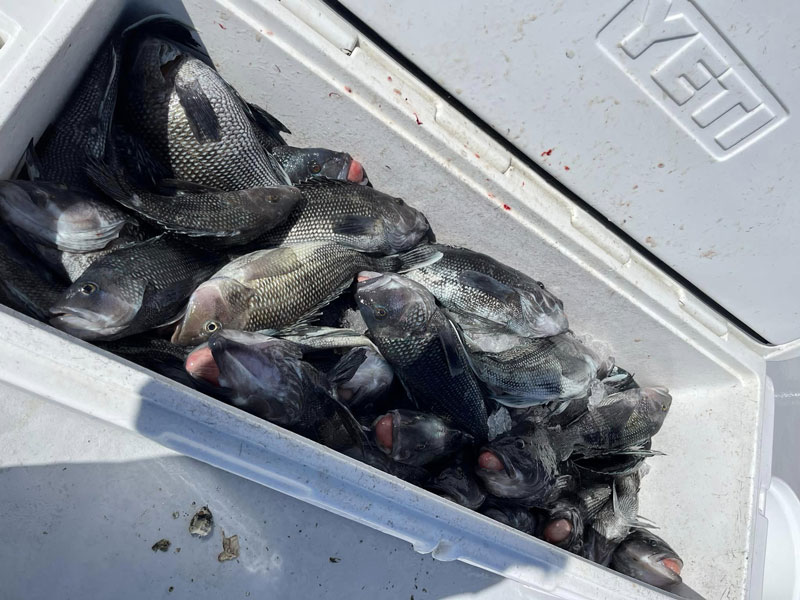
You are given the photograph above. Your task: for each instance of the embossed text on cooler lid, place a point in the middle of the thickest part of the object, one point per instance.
(671, 51)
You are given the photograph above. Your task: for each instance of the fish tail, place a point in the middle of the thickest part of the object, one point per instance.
(113, 183)
(421, 256)
(347, 366)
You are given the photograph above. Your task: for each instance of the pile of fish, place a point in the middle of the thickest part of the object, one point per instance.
(164, 218)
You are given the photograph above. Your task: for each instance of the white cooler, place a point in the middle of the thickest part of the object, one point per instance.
(639, 162)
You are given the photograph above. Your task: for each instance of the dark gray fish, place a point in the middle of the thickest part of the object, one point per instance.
(471, 283)
(133, 289)
(564, 524)
(646, 557)
(193, 121)
(457, 483)
(417, 438)
(424, 349)
(614, 520)
(224, 218)
(82, 128)
(520, 467)
(273, 289)
(25, 285)
(58, 217)
(513, 515)
(352, 215)
(270, 380)
(618, 422)
(377, 459)
(302, 164)
(537, 371)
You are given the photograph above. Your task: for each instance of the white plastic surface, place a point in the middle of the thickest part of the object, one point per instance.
(704, 493)
(782, 562)
(84, 501)
(671, 117)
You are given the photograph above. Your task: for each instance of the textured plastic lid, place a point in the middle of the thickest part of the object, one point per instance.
(671, 117)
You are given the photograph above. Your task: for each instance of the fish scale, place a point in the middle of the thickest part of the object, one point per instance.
(279, 287)
(235, 161)
(420, 362)
(327, 205)
(537, 370)
(83, 126)
(496, 300)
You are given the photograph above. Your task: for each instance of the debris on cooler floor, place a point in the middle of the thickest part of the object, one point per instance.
(165, 219)
(230, 548)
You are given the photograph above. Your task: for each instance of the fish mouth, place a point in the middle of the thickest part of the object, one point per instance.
(84, 324)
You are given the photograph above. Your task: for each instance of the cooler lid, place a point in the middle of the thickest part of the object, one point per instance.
(670, 117)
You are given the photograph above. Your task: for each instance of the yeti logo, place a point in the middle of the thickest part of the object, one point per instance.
(680, 60)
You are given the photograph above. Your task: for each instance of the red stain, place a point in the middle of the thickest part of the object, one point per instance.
(523, 184)
(396, 91)
(660, 165)
(506, 207)
(389, 78)
(547, 152)
(270, 33)
(490, 195)
(221, 26)
(417, 118)
(477, 155)
(636, 187)
(566, 168)
(333, 95)
(348, 89)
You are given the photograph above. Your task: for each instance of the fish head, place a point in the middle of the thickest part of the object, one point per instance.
(200, 364)
(564, 525)
(656, 399)
(517, 517)
(155, 63)
(308, 163)
(265, 377)
(646, 557)
(404, 227)
(393, 306)
(459, 486)
(100, 305)
(510, 468)
(60, 217)
(542, 313)
(219, 303)
(416, 438)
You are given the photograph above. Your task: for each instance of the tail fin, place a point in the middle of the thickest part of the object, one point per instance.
(347, 366)
(31, 161)
(112, 182)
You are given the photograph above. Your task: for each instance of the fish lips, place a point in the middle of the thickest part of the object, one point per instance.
(84, 324)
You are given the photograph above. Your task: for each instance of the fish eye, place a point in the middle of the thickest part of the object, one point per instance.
(399, 201)
(540, 284)
(211, 326)
(314, 167)
(520, 444)
(664, 407)
(88, 288)
(380, 311)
